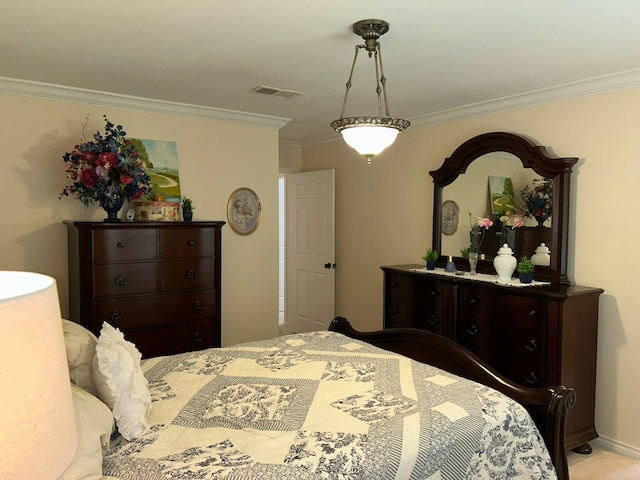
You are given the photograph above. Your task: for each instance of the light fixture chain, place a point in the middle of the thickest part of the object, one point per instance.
(348, 84)
(383, 80)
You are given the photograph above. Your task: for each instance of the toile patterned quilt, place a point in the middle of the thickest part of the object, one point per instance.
(322, 405)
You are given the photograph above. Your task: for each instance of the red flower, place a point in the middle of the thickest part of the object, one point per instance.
(137, 195)
(108, 158)
(88, 177)
(89, 157)
(125, 179)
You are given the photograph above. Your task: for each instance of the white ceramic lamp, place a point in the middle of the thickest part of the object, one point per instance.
(38, 436)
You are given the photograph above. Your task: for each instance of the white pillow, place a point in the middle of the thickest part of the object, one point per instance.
(80, 344)
(95, 425)
(121, 383)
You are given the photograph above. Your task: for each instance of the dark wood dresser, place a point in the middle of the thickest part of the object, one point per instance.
(158, 282)
(536, 336)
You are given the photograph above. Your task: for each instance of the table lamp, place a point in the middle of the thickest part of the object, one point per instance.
(38, 436)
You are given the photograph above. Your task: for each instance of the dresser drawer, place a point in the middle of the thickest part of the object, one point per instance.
(405, 315)
(420, 290)
(187, 274)
(139, 312)
(125, 279)
(526, 374)
(176, 338)
(527, 311)
(506, 341)
(121, 245)
(187, 242)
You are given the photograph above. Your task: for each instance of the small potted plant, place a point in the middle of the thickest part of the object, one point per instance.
(431, 257)
(187, 209)
(525, 269)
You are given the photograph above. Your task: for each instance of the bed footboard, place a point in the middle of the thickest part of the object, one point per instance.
(548, 406)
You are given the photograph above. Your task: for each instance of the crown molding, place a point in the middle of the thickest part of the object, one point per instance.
(63, 93)
(558, 93)
(289, 145)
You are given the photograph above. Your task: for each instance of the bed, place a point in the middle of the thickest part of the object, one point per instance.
(331, 404)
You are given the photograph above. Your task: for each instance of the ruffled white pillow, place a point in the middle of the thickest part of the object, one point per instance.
(94, 422)
(80, 344)
(120, 382)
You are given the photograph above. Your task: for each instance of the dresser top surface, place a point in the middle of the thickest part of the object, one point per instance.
(553, 290)
(137, 224)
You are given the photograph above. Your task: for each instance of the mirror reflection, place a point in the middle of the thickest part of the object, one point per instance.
(516, 200)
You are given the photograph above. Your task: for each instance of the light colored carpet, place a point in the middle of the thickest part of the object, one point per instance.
(603, 465)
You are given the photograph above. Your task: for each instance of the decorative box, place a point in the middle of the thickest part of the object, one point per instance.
(157, 211)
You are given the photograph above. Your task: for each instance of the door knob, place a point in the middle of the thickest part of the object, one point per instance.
(329, 265)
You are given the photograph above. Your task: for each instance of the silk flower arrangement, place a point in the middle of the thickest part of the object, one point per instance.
(107, 169)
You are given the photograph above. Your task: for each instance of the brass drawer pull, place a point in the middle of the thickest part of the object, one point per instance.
(198, 305)
(532, 313)
(120, 280)
(433, 320)
(393, 310)
(115, 315)
(531, 345)
(191, 243)
(394, 285)
(473, 301)
(433, 293)
(473, 330)
(191, 274)
(532, 378)
(197, 338)
(120, 245)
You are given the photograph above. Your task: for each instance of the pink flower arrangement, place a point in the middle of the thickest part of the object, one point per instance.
(512, 220)
(107, 167)
(476, 234)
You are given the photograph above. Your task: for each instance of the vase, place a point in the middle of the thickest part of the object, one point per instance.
(112, 205)
(541, 219)
(187, 216)
(504, 263)
(431, 265)
(542, 256)
(508, 236)
(473, 262)
(450, 266)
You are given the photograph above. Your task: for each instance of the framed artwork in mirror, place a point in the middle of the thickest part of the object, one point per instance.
(243, 211)
(450, 217)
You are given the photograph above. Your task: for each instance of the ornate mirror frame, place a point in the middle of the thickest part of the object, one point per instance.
(532, 156)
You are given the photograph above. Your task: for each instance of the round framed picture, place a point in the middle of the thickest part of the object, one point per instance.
(243, 211)
(450, 217)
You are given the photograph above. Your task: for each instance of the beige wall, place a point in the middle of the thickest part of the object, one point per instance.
(384, 217)
(290, 158)
(214, 159)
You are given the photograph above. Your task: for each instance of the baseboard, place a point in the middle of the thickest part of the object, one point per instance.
(616, 447)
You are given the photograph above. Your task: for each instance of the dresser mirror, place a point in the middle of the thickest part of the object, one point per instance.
(463, 180)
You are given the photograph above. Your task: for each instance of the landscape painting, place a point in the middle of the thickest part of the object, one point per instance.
(162, 162)
(502, 197)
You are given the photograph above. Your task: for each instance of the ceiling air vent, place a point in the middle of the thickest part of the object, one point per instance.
(275, 92)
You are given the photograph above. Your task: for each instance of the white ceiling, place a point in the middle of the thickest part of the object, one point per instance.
(438, 55)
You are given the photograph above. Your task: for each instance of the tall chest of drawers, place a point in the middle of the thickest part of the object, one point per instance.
(159, 283)
(535, 336)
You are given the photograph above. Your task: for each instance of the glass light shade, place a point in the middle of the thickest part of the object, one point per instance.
(37, 423)
(369, 140)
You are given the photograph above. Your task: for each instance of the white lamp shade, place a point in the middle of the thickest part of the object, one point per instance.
(38, 437)
(369, 140)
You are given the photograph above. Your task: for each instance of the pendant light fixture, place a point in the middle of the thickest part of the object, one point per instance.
(370, 135)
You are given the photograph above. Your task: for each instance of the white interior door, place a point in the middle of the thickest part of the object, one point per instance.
(310, 262)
